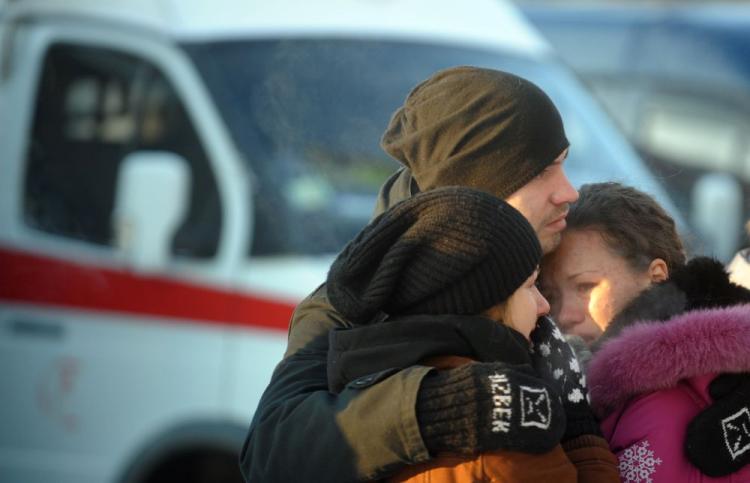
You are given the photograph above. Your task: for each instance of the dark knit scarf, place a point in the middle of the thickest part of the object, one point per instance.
(405, 341)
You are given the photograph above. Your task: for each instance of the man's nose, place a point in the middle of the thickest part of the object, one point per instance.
(566, 192)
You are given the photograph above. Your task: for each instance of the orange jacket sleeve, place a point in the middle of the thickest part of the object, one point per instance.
(493, 466)
(593, 459)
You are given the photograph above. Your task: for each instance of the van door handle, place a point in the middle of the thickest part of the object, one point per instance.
(40, 329)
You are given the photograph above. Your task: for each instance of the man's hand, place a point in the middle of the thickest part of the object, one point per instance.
(488, 406)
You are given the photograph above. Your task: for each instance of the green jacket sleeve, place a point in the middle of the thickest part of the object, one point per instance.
(302, 432)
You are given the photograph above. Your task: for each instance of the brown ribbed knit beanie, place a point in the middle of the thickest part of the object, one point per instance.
(451, 250)
(482, 128)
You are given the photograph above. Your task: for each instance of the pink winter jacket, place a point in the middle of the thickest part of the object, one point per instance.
(651, 380)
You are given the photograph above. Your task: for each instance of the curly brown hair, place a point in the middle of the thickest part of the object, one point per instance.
(630, 221)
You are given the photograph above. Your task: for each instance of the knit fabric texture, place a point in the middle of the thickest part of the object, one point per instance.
(717, 439)
(556, 362)
(451, 250)
(476, 407)
(483, 128)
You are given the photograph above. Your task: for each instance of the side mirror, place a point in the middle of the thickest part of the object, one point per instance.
(150, 203)
(717, 213)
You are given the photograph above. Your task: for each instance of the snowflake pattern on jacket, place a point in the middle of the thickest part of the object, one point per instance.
(638, 463)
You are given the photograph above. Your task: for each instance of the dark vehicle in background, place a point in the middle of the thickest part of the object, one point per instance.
(676, 78)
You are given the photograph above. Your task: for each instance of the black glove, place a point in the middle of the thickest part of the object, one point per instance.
(718, 439)
(556, 362)
(482, 407)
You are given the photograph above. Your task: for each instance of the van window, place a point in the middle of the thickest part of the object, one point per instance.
(307, 114)
(93, 107)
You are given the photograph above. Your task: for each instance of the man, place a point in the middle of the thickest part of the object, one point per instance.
(464, 126)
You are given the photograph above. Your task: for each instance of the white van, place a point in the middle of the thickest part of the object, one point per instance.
(174, 176)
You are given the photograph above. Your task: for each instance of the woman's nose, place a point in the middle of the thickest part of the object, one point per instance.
(570, 314)
(542, 305)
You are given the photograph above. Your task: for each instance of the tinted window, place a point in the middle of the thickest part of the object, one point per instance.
(307, 114)
(94, 107)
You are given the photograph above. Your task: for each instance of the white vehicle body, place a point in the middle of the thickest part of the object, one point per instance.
(122, 358)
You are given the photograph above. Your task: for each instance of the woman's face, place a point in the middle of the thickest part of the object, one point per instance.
(522, 308)
(587, 283)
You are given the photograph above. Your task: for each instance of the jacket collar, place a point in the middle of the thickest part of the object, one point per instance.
(647, 357)
(701, 284)
(672, 331)
(398, 187)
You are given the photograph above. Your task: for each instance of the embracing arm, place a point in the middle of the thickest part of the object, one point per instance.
(301, 431)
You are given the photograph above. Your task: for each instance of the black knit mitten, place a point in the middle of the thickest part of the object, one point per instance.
(488, 406)
(556, 362)
(718, 439)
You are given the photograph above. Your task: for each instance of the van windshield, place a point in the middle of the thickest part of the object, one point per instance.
(307, 116)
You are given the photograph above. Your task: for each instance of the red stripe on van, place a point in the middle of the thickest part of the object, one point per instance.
(41, 280)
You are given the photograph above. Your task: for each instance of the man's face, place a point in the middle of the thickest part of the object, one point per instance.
(544, 202)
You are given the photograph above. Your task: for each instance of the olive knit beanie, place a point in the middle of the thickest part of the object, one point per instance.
(482, 128)
(452, 250)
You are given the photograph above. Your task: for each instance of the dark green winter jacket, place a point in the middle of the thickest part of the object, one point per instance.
(302, 432)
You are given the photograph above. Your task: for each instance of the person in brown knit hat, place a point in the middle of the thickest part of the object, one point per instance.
(447, 278)
(481, 128)
(488, 130)
(465, 125)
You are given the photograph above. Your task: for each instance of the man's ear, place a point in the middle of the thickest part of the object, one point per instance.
(658, 271)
